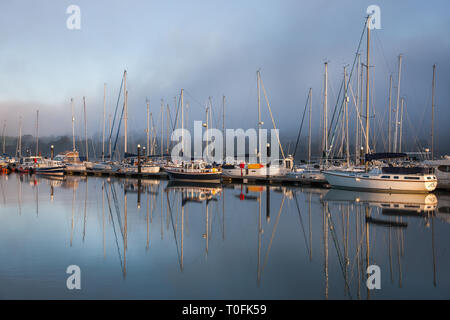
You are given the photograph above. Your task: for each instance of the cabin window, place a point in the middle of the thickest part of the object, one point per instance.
(411, 178)
(395, 177)
(385, 177)
(444, 168)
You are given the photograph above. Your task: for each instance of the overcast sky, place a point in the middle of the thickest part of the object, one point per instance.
(213, 48)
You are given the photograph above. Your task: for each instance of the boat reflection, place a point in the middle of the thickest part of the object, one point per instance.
(336, 233)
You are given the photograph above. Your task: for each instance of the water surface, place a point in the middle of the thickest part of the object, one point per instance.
(156, 240)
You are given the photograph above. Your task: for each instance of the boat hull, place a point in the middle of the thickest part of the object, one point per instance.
(264, 172)
(52, 171)
(358, 181)
(214, 177)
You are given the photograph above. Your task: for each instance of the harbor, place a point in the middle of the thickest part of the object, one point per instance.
(221, 155)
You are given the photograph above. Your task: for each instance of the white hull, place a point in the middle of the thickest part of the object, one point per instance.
(374, 182)
(264, 172)
(75, 167)
(308, 176)
(150, 169)
(442, 172)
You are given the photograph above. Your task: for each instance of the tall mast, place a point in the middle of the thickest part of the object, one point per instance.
(398, 102)
(366, 150)
(3, 134)
(148, 127)
(390, 114)
(167, 129)
(309, 127)
(109, 130)
(182, 122)
(37, 132)
(73, 125)
(125, 109)
(162, 127)
(346, 118)
(432, 112)
(85, 129)
(401, 126)
(207, 138)
(358, 96)
(104, 119)
(259, 118)
(152, 146)
(20, 138)
(325, 113)
(223, 125)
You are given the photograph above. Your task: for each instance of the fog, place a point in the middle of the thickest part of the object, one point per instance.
(214, 48)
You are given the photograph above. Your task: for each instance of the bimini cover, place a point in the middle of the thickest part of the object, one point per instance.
(384, 155)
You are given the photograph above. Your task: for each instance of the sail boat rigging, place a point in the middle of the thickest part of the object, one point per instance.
(381, 178)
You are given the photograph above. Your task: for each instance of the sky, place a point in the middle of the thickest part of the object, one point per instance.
(214, 48)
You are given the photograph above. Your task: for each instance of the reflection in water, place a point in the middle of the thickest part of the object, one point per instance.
(213, 241)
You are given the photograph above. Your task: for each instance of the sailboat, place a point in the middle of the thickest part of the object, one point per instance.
(442, 171)
(390, 178)
(277, 168)
(441, 166)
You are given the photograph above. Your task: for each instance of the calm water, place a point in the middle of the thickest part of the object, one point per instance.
(231, 242)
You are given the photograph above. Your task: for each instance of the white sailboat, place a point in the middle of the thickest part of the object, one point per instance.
(382, 178)
(441, 166)
(277, 168)
(442, 171)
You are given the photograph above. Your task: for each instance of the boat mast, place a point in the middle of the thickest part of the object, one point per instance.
(223, 126)
(167, 128)
(20, 137)
(104, 119)
(73, 125)
(401, 126)
(152, 147)
(182, 122)
(258, 155)
(85, 129)
(432, 112)
(366, 150)
(125, 109)
(346, 118)
(398, 102)
(109, 129)
(357, 128)
(37, 133)
(309, 133)
(325, 113)
(162, 127)
(207, 138)
(3, 134)
(390, 115)
(148, 127)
